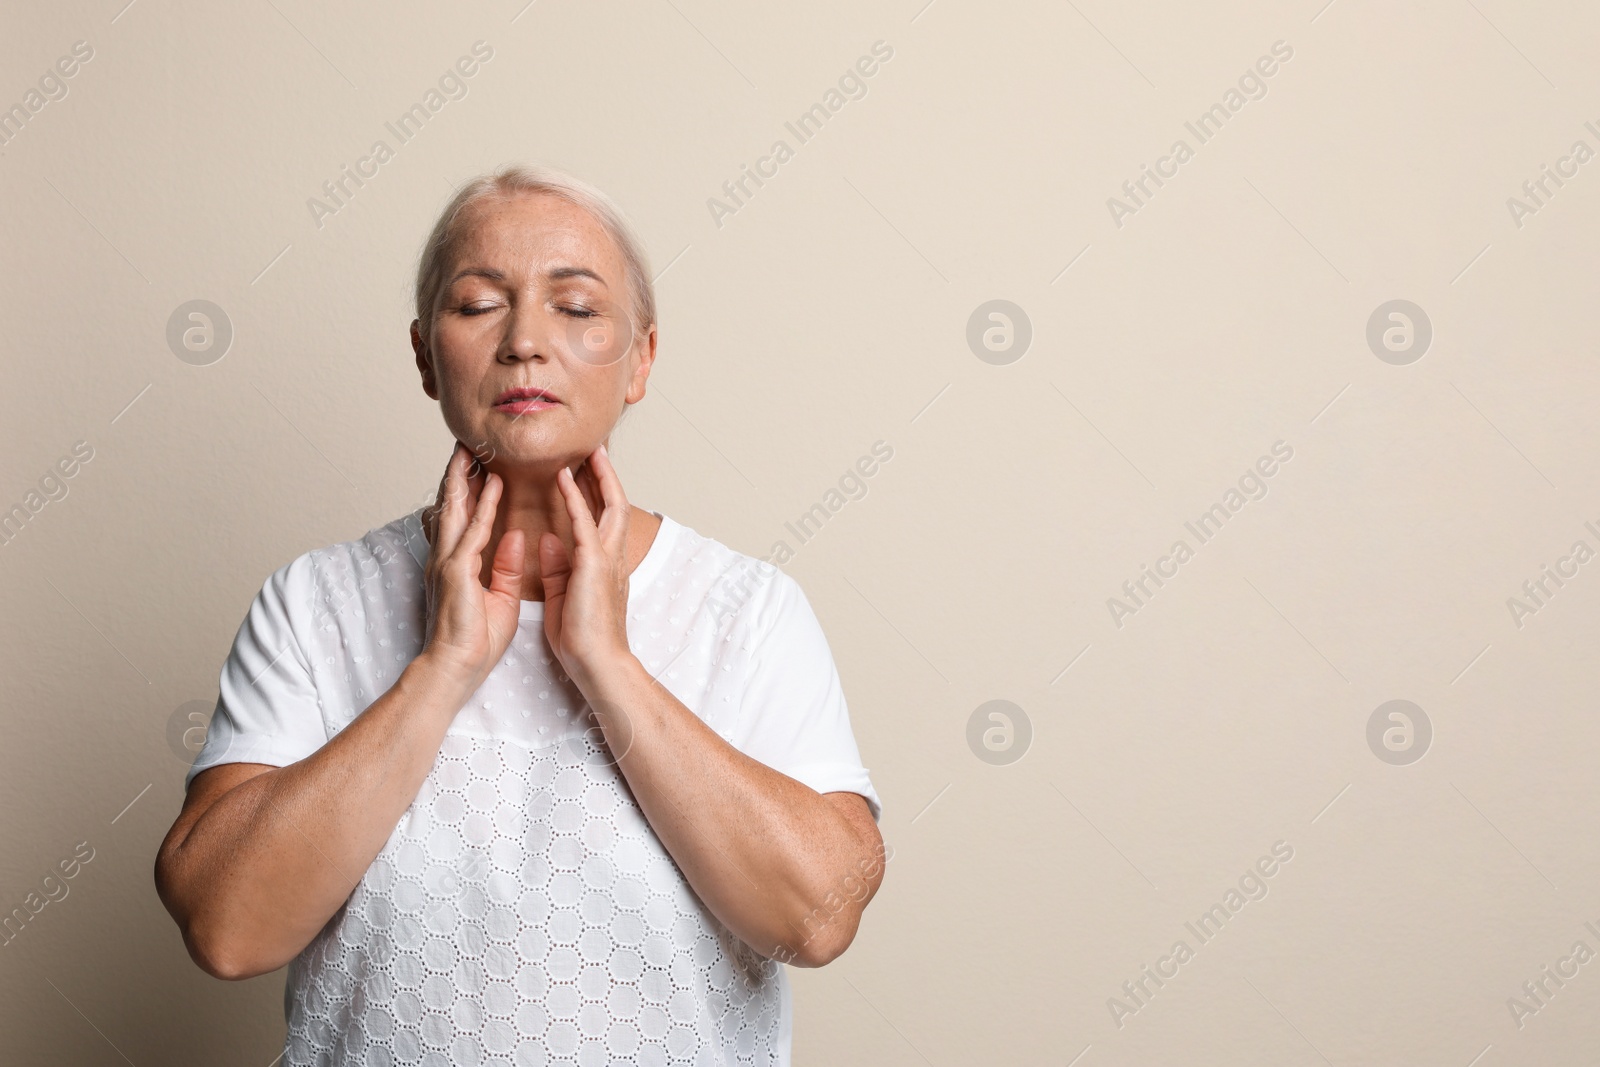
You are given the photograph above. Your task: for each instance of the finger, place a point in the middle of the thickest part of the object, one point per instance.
(477, 466)
(555, 569)
(474, 476)
(451, 517)
(476, 536)
(590, 486)
(584, 531)
(431, 513)
(505, 575)
(554, 566)
(617, 508)
(438, 513)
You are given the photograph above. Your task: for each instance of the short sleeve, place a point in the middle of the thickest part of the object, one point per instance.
(793, 713)
(267, 707)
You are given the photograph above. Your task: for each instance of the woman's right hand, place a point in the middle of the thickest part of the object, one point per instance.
(469, 627)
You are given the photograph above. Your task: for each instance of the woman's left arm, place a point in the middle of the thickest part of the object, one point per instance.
(786, 869)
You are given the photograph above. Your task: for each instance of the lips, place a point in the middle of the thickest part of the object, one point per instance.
(511, 396)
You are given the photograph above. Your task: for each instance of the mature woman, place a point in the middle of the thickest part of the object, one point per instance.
(530, 775)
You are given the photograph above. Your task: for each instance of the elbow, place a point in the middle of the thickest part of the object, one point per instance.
(217, 942)
(215, 961)
(220, 946)
(224, 957)
(828, 930)
(826, 944)
(210, 951)
(813, 955)
(206, 947)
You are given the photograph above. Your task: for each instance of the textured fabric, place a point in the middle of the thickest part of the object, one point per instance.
(523, 911)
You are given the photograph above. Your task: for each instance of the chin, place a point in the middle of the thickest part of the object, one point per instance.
(530, 443)
(532, 453)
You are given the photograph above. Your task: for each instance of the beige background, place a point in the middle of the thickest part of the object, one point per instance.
(830, 312)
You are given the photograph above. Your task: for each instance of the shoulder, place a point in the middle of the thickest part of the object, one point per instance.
(328, 580)
(738, 589)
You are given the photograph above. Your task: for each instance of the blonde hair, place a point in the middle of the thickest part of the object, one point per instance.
(519, 179)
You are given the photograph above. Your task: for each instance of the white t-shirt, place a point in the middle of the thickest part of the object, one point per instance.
(524, 912)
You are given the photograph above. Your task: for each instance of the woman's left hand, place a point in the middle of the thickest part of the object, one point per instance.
(586, 590)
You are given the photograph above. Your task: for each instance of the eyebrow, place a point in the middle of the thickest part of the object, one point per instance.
(556, 275)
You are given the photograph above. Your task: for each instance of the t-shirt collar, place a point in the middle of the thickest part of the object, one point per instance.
(642, 576)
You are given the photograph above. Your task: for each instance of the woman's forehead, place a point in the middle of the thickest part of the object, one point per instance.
(533, 231)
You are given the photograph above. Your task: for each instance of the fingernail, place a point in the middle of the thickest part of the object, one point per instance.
(602, 449)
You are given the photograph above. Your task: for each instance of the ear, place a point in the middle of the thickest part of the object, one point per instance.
(646, 346)
(430, 384)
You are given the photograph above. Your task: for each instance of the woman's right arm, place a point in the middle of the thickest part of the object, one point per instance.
(261, 857)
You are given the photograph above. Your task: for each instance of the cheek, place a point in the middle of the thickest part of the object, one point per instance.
(608, 399)
(456, 363)
(456, 379)
(594, 388)
(457, 382)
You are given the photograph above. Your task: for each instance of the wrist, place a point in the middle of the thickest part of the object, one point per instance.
(609, 675)
(619, 692)
(438, 676)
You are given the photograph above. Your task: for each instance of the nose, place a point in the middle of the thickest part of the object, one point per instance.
(527, 337)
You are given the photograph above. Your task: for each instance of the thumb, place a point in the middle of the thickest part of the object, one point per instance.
(505, 574)
(554, 567)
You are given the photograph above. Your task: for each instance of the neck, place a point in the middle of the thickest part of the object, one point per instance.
(532, 502)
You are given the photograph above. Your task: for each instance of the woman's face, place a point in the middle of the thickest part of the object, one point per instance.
(535, 298)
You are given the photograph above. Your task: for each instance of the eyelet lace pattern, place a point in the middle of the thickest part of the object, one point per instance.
(523, 913)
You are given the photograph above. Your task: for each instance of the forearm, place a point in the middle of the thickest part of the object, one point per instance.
(267, 864)
(763, 851)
